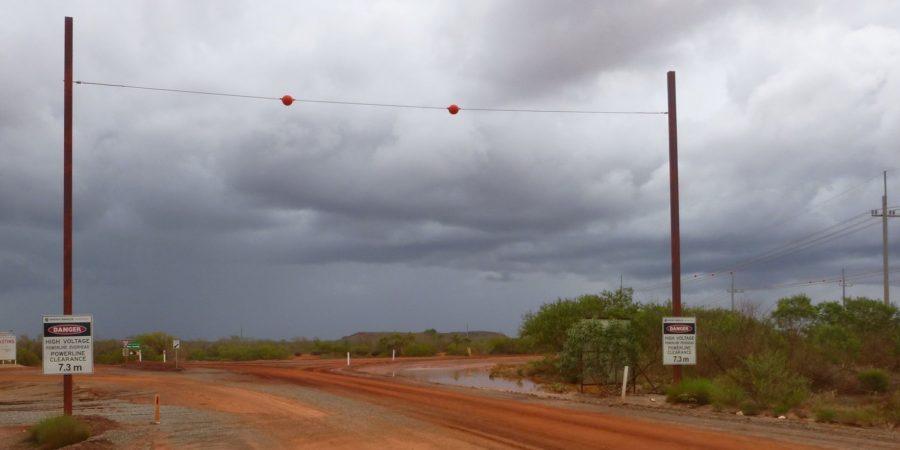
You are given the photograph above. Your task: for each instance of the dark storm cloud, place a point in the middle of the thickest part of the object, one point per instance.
(522, 51)
(192, 211)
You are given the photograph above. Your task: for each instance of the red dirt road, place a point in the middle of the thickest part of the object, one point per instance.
(321, 404)
(501, 421)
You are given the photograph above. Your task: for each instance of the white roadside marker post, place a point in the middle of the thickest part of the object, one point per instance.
(348, 359)
(624, 382)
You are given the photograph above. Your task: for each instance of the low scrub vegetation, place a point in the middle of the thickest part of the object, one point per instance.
(874, 380)
(59, 431)
(697, 391)
(759, 364)
(234, 348)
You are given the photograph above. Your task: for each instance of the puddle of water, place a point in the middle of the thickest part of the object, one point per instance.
(479, 378)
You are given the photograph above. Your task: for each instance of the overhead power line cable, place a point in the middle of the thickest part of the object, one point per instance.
(824, 280)
(848, 226)
(827, 234)
(287, 100)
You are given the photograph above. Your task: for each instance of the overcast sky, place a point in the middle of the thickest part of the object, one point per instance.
(207, 216)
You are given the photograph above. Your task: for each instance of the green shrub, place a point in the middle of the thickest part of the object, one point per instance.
(780, 409)
(455, 350)
(330, 348)
(419, 349)
(768, 381)
(26, 357)
(696, 391)
(728, 393)
(556, 388)
(546, 366)
(874, 380)
(750, 408)
(59, 431)
(826, 415)
(860, 417)
(596, 349)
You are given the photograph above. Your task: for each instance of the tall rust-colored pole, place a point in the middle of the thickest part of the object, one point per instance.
(673, 206)
(67, 201)
(884, 237)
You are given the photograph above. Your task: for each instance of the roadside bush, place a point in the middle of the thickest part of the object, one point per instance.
(419, 349)
(874, 380)
(728, 393)
(556, 388)
(108, 351)
(768, 382)
(330, 348)
(250, 351)
(28, 351)
(544, 367)
(853, 416)
(884, 413)
(826, 415)
(596, 349)
(508, 346)
(549, 326)
(697, 391)
(361, 350)
(394, 341)
(59, 431)
(750, 408)
(457, 349)
(26, 357)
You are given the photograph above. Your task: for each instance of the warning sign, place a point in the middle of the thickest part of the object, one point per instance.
(7, 346)
(68, 345)
(679, 343)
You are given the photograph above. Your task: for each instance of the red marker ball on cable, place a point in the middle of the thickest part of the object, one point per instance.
(287, 100)
(453, 109)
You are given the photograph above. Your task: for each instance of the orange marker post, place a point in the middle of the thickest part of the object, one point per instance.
(156, 413)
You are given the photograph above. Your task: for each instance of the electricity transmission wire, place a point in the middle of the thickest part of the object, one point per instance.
(287, 100)
(848, 226)
(854, 277)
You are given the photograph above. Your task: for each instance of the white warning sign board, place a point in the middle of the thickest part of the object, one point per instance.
(68, 345)
(679, 341)
(7, 346)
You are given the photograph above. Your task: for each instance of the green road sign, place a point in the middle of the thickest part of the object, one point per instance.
(134, 345)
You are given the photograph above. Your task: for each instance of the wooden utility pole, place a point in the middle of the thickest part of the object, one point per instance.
(733, 291)
(844, 286)
(884, 214)
(884, 239)
(673, 208)
(67, 199)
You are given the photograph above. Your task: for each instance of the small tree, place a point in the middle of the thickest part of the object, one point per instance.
(548, 327)
(596, 349)
(794, 314)
(395, 341)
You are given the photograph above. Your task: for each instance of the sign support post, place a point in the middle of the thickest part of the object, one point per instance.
(67, 198)
(176, 344)
(674, 208)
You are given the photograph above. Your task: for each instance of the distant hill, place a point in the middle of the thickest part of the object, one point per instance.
(371, 336)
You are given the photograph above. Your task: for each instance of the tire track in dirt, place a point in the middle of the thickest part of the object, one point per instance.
(509, 423)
